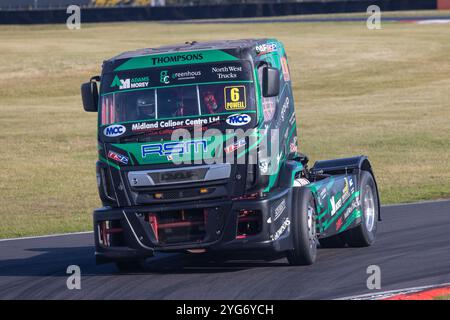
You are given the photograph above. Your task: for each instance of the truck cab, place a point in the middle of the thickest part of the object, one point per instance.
(197, 150)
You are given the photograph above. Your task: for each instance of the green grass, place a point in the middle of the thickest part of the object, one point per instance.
(444, 297)
(384, 93)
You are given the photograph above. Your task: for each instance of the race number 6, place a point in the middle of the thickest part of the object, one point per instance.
(234, 94)
(235, 98)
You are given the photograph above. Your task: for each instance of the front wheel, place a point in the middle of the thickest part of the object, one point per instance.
(364, 234)
(303, 228)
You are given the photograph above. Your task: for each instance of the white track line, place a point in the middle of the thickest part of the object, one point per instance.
(87, 232)
(47, 236)
(390, 293)
(415, 203)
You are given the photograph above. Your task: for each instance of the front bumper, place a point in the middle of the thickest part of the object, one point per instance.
(132, 236)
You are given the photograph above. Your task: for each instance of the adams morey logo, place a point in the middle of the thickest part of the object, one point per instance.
(139, 82)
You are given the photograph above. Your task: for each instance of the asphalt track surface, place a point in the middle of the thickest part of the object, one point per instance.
(412, 249)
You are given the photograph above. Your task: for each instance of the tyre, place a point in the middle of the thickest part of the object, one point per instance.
(130, 265)
(364, 234)
(336, 241)
(303, 228)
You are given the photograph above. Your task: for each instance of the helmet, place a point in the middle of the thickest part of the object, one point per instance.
(145, 107)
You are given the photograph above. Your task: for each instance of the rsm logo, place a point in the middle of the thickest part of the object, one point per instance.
(114, 130)
(169, 148)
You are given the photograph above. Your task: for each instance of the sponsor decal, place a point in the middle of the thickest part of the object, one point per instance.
(266, 48)
(336, 205)
(285, 69)
(235, 98)
(284, 108)
(115, 130)
(323, 193)
(345, 190)
(338, 223)
(172, 59)
(281, 230)
(279, 209)
(355, 204)
(268, 108)
(350, 183)
(292, 119)
(293, 145)
(227, 72)
(170, 148)
(188, 57)
(162, 124)
(164, 77)
(130, 83)
(238, 119)
(187, 75)
(117, 157)
(235, 146)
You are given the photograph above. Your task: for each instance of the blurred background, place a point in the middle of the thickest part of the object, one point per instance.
(384, 93)
(55, 4)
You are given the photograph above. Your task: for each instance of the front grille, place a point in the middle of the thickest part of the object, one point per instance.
(180, 194)
(249, 223)
(178, 176)
(178, 226)
(110, 233)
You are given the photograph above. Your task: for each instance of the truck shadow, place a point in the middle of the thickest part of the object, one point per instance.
(217, 263)
(53, 262)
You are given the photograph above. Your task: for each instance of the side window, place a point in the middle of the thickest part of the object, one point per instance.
(269, 104)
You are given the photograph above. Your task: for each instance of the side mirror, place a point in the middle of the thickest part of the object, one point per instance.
(89, 95)
(270, 82)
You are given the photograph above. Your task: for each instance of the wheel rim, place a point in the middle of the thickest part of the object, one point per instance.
(311, 226)
(369, 208)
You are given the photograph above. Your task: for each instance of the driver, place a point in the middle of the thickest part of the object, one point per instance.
(146, 108)
(210, 101)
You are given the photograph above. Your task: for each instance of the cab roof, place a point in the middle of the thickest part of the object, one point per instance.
(191, 46)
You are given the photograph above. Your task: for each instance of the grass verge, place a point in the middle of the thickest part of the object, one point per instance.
(383, 93)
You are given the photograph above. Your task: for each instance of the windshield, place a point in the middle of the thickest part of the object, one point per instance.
(177, 92)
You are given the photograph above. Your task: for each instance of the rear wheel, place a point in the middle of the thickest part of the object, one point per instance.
(364, 234)
(303, 228)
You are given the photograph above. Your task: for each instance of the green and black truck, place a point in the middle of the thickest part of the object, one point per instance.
(197, 152)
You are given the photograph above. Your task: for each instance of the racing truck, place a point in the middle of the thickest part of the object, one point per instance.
(198, 153)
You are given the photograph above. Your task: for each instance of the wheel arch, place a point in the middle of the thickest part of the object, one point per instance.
(345, 165)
